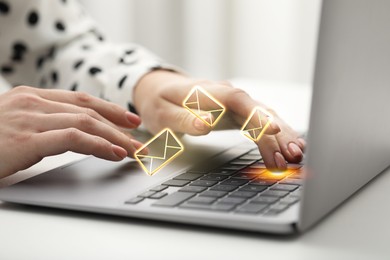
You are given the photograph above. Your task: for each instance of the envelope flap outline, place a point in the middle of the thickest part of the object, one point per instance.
(254, 127)
(193, 102)
(170, 142)
(171, 148)
(255, 119)
(155, 151)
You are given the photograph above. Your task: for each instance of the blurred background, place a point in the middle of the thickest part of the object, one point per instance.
(220, 39)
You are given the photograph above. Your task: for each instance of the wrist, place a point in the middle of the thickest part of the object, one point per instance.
(153, 81)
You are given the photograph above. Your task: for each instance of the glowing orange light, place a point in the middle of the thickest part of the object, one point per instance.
(257, 171)
(277, 174)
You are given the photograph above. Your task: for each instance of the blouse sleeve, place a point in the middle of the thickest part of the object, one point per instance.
(55, 44)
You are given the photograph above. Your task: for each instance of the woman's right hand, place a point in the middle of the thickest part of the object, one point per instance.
(36, 123)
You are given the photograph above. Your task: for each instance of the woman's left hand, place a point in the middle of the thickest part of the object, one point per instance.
(159, 96)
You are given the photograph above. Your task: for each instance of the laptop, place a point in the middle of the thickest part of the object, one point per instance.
(223, 183)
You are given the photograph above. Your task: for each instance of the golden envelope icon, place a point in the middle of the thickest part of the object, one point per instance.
(163, 148)
(204, 106)
(256, 124)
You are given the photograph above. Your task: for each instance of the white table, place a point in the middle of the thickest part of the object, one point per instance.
(359, 229)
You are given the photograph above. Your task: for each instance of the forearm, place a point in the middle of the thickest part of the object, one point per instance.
(69, 53)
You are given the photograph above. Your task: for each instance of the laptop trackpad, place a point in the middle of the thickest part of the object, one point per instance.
(93, 181)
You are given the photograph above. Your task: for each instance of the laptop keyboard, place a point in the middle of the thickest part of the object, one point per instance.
(243, 186)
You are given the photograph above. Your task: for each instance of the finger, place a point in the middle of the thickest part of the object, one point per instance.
(53, 107)
(302, 143)
(87, 124)
(137, 146)
(243, 107)
(72, 139)
(236, 101)
(271, 153)
(108, 110)
(181, 120)
(289, 147)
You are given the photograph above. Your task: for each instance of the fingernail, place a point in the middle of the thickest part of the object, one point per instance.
(302, 142)
(119, 151)
(294, 149)
(133, 118)
(280, 161)
(199, 124)
(138, 145)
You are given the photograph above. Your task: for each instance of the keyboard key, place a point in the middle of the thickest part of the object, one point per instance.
(294, 166)
(279, 207)
(255, 188)
(224, 188)
(197, 171)
(251, 208)
(196, 206)
(243, 194)
(223, 207)
(195, 189)
(250, 157)
(203, 183)
(286, 187)
(213, 193)
(176, 183)
(295, 176)
(215, 207)
(174, 199)
(234, 182)
(289, 200)
(159, 188)
(258, 165)
(262, 182)
(147, 194)
(188, 176)
(246, 176)
(255, 151)
(214, 177)
(225, 171)
(201, 200)
(272, 176)
(291, 181)
(265, 200)
(276, 209)
(296, 193)
(232, 200)
(241, 162)
(256, 171)
(134, 200)
(158, 195)
(233, 168)
(275, 193)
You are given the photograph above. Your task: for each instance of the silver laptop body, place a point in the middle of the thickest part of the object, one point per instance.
(348, 140)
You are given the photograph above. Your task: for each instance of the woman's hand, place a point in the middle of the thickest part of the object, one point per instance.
(36, 123)
(159, 96)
